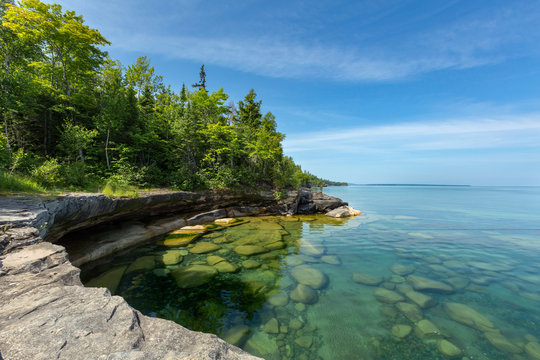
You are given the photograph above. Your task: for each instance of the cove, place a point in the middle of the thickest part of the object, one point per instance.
(47, 313)
(426, 272)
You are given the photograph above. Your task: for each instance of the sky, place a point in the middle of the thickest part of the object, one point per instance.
(411, 91)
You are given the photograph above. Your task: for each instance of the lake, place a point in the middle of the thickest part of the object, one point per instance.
(426, 272)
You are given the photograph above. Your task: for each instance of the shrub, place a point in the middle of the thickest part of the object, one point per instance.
(49, 173)
(75, 174)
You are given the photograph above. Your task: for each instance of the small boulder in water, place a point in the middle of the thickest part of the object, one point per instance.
(304, 294)
(343, 211)
(309, 276)
(448, 349)
(401, 330)
(366, 279)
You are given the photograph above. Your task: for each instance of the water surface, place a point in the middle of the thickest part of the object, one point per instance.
(351, 289)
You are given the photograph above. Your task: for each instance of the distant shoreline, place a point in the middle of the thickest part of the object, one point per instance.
(412, 185)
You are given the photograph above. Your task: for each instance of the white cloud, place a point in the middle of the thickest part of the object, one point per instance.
(474, 40)
(501, 133)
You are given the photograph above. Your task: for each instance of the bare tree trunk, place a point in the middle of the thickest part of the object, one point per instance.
(107, 148)
(7, 134)
(81, 155)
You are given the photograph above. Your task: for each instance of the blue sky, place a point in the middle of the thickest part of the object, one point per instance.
(442, 92)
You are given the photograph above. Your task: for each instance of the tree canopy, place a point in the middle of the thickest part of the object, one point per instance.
(72, 116)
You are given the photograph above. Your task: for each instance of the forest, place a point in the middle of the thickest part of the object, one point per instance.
(73, 118)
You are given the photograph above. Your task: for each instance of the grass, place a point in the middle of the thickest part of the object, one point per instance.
(114, 190)
(11, 183)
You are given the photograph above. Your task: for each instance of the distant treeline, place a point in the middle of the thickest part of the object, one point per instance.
(72, 116)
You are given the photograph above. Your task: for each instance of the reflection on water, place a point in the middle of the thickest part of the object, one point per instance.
(379, 286)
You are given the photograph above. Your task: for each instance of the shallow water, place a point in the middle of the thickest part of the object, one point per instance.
(480, 244)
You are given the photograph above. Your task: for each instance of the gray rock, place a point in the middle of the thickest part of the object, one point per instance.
(46, 313)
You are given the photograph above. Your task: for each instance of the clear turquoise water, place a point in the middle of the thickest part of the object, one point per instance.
(483, 242)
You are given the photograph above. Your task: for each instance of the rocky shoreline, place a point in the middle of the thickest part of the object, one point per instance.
(46, 312)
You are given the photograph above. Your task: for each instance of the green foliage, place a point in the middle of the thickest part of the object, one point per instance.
(72, 117)
(48, 173)
(17, 183)
(75, 139)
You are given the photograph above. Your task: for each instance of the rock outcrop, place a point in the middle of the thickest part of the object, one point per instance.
(45, 311)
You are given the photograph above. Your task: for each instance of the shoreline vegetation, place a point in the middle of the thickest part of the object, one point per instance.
(74, 119)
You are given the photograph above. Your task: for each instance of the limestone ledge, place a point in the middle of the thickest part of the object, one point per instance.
(45, 311)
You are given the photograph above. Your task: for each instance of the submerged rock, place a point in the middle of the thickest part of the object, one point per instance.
(343, 211)
(176, 241)
(425, 329)
(250, 264)
(110, 279)
(458, 282)
(331, 259)
(387, 296)
(204, 247)
(455, 265)
(366, 279)
(247, 250)
(279, 299)
(261, 344)
(468, 316)
(448, 349)
(304, 341)
(172, 257)
(421, 283)
(401, 330)
(309, 276)
(161, 272)
(533, 350)
(396, 279)
(226, 267)
(411, 311)
(214, 259)
(275, 245)
(304, 294)
(502, 343)
(400, 269)
(236, 335)
(141, 264)
(491, 266)
(422, 300)
(311, 249)
(193, 276)
(272, 326)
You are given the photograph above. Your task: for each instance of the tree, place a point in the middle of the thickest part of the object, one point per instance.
(201, 85)
(249, 111)
(141, 75)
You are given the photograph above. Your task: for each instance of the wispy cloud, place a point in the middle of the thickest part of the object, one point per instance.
(518, 131)
(318, 51)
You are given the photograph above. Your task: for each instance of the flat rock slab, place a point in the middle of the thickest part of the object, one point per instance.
(47, 314)
(247, 250)
(425, 284)
(193, 275)
(204, 247)
(466, 315)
